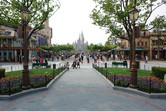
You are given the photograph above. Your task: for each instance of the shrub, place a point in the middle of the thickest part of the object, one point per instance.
(159, 72)
(2, 73)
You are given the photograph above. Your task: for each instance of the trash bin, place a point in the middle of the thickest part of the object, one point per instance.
(137, 64)
(54, 66)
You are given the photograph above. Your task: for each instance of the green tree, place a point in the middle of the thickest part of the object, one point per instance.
(40, 11)
(158, 24)
(113, 15)
(57, 48)
(95, 47)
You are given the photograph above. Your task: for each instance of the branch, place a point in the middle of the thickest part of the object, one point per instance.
(7, 1)
(30, 3)
(23, 3)
(151, 13)
(36, 28)
(27, 3)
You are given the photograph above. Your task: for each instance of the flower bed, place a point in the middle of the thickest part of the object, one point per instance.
(11, 85)
(146, 84)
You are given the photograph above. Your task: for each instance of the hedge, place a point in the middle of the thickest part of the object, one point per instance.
(2, 73)
(159, 72)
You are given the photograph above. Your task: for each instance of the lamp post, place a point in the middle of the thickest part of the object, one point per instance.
(133, 14)
(25, 73)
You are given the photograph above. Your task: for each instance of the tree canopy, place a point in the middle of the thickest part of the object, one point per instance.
(57, 48)
(40, 11)
(95, 47)
(158, 23)
(113, 15)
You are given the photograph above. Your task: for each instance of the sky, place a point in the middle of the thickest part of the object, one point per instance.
(73, 18)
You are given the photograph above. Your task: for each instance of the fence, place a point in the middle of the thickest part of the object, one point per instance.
(143, 66)
(13, 85)
(9, 68)
(146, 84)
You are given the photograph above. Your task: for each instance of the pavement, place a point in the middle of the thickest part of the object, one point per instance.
(82, 89)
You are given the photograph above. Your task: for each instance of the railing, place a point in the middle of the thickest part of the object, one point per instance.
(146, 84)
(143, 66)
(13, 85)
(9, 68)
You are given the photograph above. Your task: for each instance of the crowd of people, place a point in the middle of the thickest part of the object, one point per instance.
(78, 58)
(38, 59)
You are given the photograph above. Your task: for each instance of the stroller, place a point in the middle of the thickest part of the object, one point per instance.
(74, 64)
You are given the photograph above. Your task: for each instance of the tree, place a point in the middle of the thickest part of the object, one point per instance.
(95, 47)
(158, 24)
(40, 11)
(113, 15)
(57, 48)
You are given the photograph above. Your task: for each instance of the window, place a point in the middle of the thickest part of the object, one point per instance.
(142, 43)
(138, 43)
(146, 43)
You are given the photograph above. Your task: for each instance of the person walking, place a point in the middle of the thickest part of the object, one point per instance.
(87, 57)
(67, 65)
(82, 58)
(146, 59)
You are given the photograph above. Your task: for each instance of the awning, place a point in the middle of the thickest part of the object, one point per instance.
(6, 37)
(43, 50)
(137, 49)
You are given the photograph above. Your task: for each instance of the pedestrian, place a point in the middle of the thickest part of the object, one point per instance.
(74, 64)
(146, 59)
(67, 65)
(156, 56)
(41, 60)
(33, 59)
(20, 61)
(45, 60)
(38, 59)
(87, 57)
(78, 64)
(82, 58)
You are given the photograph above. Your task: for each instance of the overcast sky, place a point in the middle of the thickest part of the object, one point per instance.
(73, 17)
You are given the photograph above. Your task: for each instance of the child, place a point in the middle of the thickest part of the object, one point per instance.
(67, 65)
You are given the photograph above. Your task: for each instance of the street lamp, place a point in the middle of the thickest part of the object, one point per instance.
(133, 14)
(25, 73)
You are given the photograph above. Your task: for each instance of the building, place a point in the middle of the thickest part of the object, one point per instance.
(46, 32)
(142, 45)
(11, 42)
(11, 46)
(80, 44)
(147, 44)
(158, 40)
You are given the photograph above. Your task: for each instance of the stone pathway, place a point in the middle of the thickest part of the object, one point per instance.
(82, 90)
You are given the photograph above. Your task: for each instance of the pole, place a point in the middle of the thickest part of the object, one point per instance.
(133, 70)
(25, 72)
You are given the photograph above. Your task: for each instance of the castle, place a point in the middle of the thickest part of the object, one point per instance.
(80, 44)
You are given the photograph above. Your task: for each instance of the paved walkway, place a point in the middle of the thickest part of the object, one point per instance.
(82, 90)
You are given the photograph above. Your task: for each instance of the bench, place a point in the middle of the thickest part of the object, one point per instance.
(119, 63)
(39, 65)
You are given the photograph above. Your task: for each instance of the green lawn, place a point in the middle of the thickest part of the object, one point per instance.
(32, 72)
(126, 71)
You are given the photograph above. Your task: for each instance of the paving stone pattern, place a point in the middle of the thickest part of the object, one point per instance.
(82, 90)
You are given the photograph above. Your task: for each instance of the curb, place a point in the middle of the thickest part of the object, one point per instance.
(30, 91)
(133, 91)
